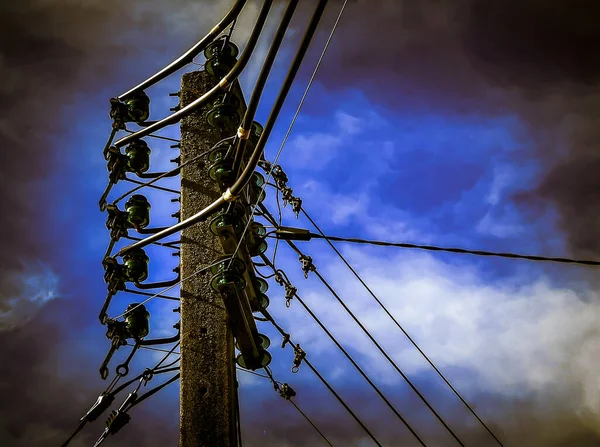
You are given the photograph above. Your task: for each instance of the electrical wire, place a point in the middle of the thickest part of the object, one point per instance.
(213, 92)
(166, 174)
(189, 55)
(350, 359)
(459, 250)
(151, 348)
(368, 334)
(412, 341)
(159, 137)
(113, 383)
(279, 222)
(278, 389)
(245, 125)
(380, 349)
(302, 50)
(149, 185)
(233, 192)
(181, 281)
(286, 336)
(164, 297)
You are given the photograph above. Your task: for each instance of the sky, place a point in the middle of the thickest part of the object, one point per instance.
(455, 123)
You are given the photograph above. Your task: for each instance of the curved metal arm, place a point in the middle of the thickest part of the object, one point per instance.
(171, 173)
(230, 194)
(161, 341)
(189, 55)
(157, 285)
(151, 230)
(220, 87)
(261, 82)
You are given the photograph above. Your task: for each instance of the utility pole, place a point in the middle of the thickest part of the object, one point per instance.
(208, 386)
(216, 306)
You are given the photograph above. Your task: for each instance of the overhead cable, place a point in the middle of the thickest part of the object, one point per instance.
(414, 343)
(308, 266)
(286, 336)
(299, 55)
(306, 235)
(189, 55)
(232, 193)
(347, 355)
(213, 92)
(287, 393)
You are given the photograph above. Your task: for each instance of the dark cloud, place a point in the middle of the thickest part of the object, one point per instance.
(54, 54)
(534, 58)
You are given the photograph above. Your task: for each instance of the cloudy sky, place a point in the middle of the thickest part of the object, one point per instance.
(457, 123)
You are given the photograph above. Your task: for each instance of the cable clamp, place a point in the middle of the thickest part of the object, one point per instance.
(243, 134)
(286, 391)
(307, 265)
(293, 234)
(224, 83)
(290, 291)
(296, 203)
(285, 341)
(229, 197)
(300, 356)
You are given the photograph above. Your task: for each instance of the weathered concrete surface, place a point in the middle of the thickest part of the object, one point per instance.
(207, 369)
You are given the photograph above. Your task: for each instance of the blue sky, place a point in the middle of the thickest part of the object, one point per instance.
(502, 331)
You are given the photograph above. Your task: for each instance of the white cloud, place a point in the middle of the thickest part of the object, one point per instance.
(317, 149)
(509, 339)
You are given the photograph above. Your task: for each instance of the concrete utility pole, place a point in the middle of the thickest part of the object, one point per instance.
(208, 388)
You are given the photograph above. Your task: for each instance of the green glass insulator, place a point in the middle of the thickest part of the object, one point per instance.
(264, 342)
(136, 264)
(138, 154)
(138, 107)
(263, 302)
(225, 263)
(257, 247)
(234, 217)
(137, 318)
(227, 279)
(260, 285)
(220, 58)
(224, 220)
(224, 117)
(217, 48)
(138, 211)
(258, 230)
(255, 133)
(257, 194)
(221, 172)
(219, 153)
(262, 361)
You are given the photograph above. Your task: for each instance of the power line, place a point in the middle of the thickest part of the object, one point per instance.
(286, 336)
(159, 137)
(305, 235)
(284, 391)
(368, 334)
(107, 397)
(348, 356)
(197, 272)
(414, 343)
(301, 52)
(168, 173)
